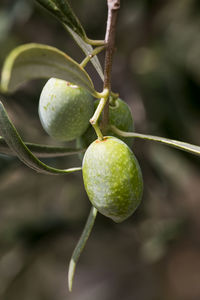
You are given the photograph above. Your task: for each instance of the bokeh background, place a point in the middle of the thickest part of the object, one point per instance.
(155, 254)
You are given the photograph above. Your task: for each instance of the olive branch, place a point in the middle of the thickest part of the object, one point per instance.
(41, 61)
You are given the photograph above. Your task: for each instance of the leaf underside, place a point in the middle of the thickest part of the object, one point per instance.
(87, 49)
(64, 13)
(32, 61)
(80, 245)
(40, 150)
(193, 149)
(16, 144)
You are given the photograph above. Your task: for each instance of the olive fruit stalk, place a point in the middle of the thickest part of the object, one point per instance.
(119, 115)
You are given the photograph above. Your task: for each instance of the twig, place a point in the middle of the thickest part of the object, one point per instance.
(94, 42)
(113, 7)
(91, 55)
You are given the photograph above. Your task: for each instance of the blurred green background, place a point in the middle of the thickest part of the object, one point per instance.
(155, 254)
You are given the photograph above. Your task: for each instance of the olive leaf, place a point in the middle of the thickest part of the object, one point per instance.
(31, 61)
(194, 149)
(87, 49)
(14, 141)
(80, 245)
(40, 150)
(64, 13)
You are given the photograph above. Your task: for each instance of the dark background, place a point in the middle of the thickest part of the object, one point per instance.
(155, 253)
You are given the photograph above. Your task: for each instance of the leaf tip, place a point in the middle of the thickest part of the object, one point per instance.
(71, 272)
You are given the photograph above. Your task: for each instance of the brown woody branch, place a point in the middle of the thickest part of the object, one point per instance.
(113, 7)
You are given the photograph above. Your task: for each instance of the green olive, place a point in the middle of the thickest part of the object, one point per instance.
(65, 109)
(112, 178)
(119, 116)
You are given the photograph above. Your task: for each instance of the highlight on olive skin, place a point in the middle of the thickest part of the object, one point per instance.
(65, 109)
(112, 178)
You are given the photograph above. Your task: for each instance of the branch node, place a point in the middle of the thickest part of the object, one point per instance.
(114, 4)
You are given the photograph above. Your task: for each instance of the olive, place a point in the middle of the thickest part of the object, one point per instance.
(112, 178)
(65, 109)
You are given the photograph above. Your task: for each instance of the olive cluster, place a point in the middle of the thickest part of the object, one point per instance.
(111, 173)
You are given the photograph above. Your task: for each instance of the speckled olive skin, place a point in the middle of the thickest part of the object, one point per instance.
(112, 178)
(119, 116)
(65, 109)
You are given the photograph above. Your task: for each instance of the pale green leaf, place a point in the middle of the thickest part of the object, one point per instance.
(41, 150)
(87, 49)
(194, 149)
(32, 61)
(63, 11)
(14, 141)
(80, 245)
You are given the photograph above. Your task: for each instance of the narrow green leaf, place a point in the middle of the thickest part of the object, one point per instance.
(87, 49)
(80, 245)
(33, 61)
(63, 11)
(41, 150)
(14, 141)
(173, 143)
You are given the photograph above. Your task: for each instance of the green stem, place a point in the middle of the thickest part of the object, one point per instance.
(91, 55)
(113, 98)
(98, 131)
(114, 95)
(94, 42)
(97, 113)
(80, 246)
(103, 94)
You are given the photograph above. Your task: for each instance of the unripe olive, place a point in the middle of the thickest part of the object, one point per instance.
(65, 109)
(112, 178)
(119, 116)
